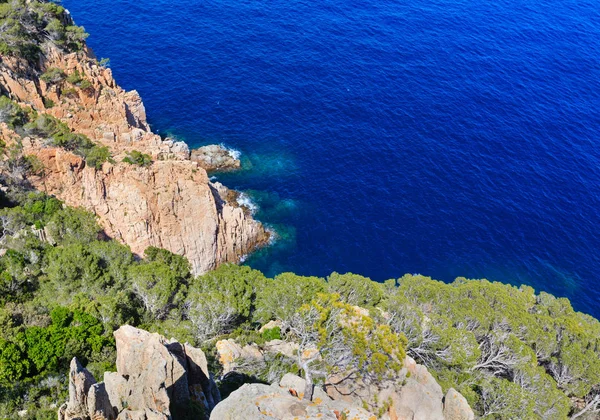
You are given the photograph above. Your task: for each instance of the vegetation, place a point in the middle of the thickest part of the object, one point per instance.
(57, 133)
(64, 289)
(511, 352)
(138, 158)
(27, 25)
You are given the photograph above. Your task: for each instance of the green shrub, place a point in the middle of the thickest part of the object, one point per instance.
(97, 155)
(137, 158)
(272, 334)
(11, 113)
(49, 103)
(53, 75)
(75, 78)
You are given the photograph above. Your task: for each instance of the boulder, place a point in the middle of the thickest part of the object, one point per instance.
(229, 351)
(456, 406)
(271, 402)
(296, 383)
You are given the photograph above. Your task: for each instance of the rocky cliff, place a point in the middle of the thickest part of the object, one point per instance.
(170, 204)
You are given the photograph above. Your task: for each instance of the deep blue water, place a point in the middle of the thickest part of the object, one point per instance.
(454, 138)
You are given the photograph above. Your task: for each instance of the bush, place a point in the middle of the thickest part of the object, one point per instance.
(28, 24)
(11, 113)
(53, 75)
(138, 158)
(97, 155)
(75, 78)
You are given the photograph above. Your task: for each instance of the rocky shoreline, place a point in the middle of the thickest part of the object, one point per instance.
(170, 203)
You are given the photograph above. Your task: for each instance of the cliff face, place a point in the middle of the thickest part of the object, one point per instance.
(169, 204)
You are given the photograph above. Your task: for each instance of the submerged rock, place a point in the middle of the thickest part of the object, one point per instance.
(215, 157)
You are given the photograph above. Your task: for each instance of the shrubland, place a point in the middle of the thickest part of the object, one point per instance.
(65, 287)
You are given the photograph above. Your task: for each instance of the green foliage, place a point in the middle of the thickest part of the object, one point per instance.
(53, 75)
(138, 158)
(63, 291)
(222, 299)
(75, 78)
(272, 334)
(28, 24)
(97, 156)
(11, 113)
(280, 297)
(49, 103)
(355, 289)
(59, 134)
(157, 287)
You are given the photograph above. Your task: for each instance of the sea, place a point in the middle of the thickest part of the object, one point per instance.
(441, 137)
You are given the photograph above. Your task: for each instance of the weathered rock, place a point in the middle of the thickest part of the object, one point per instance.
(170, 204)
(228, 351)
(270, 325)
(98, 403)
(264, 402)
(456, 406)
(202, 387)
(216, 158)
(298, 384)
(287, 348)
(80, 381)
(152, 374)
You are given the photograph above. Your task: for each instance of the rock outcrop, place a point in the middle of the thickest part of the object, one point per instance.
(154, 375)
(283, 402)
(413, 395)
(170, 204)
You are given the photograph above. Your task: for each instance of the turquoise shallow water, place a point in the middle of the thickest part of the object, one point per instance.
(444, 138)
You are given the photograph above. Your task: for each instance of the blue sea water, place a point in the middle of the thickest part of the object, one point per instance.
(448, 138)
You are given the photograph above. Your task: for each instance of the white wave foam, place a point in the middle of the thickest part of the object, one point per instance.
(273, 235)
(245, 201)
(234, 153)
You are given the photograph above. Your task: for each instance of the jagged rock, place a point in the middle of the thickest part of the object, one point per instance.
(80, 381)
(171, 204)
(152, 374)
(456, 406)
(264, 402)
(98, 403)
(202, 386)
(216, 158)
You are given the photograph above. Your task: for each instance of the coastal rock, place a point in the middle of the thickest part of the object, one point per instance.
(153, 374)
(456, 406)
(170, 204)
(216, 158)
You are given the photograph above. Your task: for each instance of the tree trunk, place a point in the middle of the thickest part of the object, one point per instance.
(309, 387)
